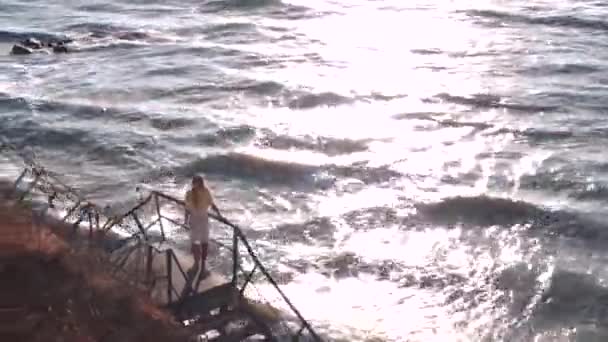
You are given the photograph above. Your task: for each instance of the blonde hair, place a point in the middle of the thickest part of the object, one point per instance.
(198, 190)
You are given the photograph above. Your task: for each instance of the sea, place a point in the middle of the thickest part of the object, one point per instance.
(416, 170)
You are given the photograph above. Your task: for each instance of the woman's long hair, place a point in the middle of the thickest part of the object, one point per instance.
(198, 189)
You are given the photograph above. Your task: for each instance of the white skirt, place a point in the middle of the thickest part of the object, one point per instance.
(199, 228)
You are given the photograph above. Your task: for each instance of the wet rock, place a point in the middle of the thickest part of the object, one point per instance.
(60, 48)
(55, 42)
(132, 35)
(19, 49)
(32, 43)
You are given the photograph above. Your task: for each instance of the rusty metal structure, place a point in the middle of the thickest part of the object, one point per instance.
(141, 252)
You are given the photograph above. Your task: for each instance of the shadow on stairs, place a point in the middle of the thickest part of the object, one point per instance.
(222, 314)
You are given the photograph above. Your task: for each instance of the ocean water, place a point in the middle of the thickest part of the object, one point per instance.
(418, 170)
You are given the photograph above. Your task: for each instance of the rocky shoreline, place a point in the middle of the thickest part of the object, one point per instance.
(51, 291)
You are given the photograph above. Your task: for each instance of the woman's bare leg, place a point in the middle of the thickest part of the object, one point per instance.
(196, 253)
(203, 257)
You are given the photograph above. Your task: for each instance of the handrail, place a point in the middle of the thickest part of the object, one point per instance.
(38, 169)
(239, 233)
(264, 271)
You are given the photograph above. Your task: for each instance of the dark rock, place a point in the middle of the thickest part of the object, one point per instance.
(60, 49)
(54, 42)
(32, 43)
(20, 50)
(99, 34)
(132, 35)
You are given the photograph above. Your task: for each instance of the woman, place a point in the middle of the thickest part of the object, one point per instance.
(198, 201)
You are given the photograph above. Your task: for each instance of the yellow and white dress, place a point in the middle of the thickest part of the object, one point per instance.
(199, 215)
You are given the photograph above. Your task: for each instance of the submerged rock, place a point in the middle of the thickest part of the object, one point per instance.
(132, 35)
(60, 48)
(19, 49)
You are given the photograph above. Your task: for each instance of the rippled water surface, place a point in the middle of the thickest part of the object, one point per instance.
(415, 170)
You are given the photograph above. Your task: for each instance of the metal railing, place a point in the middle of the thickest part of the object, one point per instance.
(239, 242)
(138, 221)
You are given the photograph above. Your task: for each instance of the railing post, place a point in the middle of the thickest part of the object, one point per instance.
(297, 336)
(149, 261)
(160, 218)
(139, 225)
(274, 283)
(235, 257)
(169, 276)
(138, 260)
(30, 187)
(248, 279)
(19, 179)
(108, 224)
(97, 220)
(90, 217)
(70, 211)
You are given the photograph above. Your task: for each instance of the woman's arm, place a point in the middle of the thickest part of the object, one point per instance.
(186, 216)
(214, 207)
(212, 201)
(187, 208)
